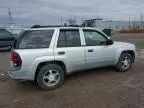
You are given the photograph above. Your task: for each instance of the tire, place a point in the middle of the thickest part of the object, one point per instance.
(47, 75)
(120, 65)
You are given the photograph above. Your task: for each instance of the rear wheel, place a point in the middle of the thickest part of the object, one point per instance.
(50, 77)
(125, 62)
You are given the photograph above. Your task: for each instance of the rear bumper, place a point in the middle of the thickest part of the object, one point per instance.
(19, 74)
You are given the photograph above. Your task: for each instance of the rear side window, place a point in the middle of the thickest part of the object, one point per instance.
(69, 38)
(35, 39)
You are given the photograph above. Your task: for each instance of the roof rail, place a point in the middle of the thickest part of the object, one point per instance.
(45, 26)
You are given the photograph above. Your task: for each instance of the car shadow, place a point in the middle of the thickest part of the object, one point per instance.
(91, 72)
(27, 86)
(32, 86)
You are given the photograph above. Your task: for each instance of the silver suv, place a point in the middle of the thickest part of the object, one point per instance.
(46, 54)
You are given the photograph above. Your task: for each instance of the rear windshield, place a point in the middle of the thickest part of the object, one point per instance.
(34, 39)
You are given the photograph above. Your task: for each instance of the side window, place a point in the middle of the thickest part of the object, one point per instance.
(69, 38)
(61, 39)
(36, 39)
(94, 38)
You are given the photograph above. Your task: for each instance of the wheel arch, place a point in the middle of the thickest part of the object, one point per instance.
(41, 64)
(126, 51)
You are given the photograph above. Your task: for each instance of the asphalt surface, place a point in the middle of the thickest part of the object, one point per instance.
(98, 88)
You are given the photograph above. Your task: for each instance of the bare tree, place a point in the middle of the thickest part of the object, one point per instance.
(71, 21)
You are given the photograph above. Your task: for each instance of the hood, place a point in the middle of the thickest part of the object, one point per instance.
(123, 44)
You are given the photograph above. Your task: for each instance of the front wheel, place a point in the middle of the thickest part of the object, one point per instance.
(50, 77)
(125, 62)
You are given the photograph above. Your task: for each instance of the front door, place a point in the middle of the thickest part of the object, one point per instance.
(98, 53)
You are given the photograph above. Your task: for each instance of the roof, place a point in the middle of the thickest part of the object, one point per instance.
(39, 27)
(62, 28)
(46, 26)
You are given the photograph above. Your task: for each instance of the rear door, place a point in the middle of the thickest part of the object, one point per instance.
(69, 49)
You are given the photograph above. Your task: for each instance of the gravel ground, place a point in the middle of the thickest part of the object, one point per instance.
(98, 88)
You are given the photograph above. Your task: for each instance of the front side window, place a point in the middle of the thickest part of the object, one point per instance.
(94, 38)
(69, 38)
(35, 39)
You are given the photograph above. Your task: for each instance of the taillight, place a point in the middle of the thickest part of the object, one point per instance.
(16, 59)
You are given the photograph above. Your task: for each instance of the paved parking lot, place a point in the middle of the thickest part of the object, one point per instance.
(98, 88)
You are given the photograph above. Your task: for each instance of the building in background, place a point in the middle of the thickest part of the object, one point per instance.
(114, 25)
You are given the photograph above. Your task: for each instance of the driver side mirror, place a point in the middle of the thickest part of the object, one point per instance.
(109, 42)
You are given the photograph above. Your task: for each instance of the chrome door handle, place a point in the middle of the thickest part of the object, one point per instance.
(61, 53)
(90, 50)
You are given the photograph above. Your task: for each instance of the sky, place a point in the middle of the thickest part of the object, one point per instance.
(29, 12)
